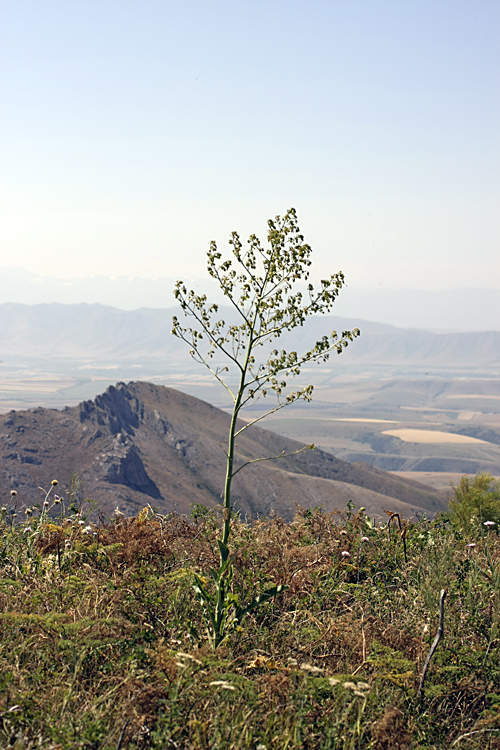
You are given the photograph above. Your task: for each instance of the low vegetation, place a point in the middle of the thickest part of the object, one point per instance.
(103, 642)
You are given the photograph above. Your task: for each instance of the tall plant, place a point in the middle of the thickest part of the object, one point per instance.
(262, 284)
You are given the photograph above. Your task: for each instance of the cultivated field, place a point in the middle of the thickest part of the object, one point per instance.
(439, 422)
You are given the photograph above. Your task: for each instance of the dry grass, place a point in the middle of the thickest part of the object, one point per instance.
(97, 650)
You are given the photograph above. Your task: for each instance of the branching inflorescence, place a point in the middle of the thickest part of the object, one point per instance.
(262, 286)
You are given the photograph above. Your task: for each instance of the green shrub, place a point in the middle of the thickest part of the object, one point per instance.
(476, 502)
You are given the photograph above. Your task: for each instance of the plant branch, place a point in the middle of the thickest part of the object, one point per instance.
(272, 458)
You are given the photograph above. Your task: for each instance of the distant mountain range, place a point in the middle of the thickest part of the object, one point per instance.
(99, 334)
(446, 310)
(138, 443)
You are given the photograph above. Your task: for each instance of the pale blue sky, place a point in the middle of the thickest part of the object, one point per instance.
(132, 133)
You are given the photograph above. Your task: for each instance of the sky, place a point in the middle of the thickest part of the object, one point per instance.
(133, 133)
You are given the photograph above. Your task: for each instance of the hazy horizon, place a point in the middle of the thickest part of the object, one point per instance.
(462, 309)
(491, 283)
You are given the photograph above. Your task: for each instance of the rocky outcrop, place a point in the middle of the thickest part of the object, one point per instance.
(116, 408)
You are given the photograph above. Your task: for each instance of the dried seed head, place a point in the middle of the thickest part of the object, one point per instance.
(310, 668)
(364, 686)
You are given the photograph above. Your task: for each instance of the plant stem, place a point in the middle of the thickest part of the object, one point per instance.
(438, 637)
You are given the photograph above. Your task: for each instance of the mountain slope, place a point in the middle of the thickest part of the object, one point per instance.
(95, 332)
(139, 443)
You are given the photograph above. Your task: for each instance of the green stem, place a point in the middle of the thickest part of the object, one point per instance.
(232, 431)
(230, 450)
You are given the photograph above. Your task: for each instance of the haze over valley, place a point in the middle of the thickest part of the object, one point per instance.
(421, 404)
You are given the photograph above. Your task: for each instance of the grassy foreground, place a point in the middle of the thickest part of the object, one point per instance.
(98, 646)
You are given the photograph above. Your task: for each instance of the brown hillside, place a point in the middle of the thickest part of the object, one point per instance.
(139, 443)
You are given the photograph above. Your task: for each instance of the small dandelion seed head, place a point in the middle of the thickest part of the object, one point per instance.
(13, 493)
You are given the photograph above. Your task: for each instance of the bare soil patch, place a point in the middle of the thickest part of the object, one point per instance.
(409, 435)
